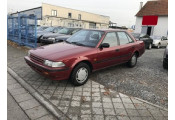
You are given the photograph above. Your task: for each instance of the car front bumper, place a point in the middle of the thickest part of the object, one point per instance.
(52, 73)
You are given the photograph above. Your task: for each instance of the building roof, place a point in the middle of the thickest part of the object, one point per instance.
(158, 8)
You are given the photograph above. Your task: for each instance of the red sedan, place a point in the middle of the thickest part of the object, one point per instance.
(86, 51)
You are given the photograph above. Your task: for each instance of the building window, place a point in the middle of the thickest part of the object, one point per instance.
(69, 15)
(79, 16)
(92, 25)
(54, 13)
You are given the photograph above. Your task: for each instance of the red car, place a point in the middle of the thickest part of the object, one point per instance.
(86, 51)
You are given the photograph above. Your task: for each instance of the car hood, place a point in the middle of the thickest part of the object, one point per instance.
(52, 35)
(156, 40)
(59, 51)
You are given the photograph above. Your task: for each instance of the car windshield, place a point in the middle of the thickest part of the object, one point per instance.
(49, 29)
(155, 37)
(89, 38)
(136, 35)
(65, 31)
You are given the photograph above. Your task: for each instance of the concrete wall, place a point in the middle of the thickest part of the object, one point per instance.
(62, 17)
(160, 29)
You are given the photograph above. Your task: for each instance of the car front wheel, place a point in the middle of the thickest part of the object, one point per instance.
(80, 74)
(133, 61)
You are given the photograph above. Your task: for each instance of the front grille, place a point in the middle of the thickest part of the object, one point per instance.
(36, 59)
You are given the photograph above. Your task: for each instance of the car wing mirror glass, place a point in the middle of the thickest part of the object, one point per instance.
(104, 45)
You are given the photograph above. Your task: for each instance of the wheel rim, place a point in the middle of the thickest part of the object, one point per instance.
(133, 60)
(81, 75)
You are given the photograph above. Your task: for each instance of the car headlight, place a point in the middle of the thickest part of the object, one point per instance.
(53, 64)
(51, 38)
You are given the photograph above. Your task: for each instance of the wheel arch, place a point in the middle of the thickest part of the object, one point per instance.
(83, 61)
(137, 53)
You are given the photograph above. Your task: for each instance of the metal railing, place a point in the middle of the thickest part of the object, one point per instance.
(22, 29)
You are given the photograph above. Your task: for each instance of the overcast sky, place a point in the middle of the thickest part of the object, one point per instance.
(121, 12)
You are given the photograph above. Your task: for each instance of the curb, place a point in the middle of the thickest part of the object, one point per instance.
(151, 103)
(47, 104)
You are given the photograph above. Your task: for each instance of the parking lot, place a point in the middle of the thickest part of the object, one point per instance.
(148, 80)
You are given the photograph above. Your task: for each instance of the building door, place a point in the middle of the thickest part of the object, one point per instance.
(148, 30)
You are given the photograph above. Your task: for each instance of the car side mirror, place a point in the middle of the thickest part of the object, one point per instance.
(104, 45)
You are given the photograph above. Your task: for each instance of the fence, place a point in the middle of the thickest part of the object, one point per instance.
(22, 29)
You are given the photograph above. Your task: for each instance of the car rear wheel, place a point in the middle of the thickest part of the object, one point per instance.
(133, 61)
(80, 74)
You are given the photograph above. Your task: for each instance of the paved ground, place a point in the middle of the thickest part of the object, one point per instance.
(22, 106)
(13, 110)
(148, 80)
(90, 101)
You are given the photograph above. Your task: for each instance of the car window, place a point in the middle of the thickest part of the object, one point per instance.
(74, 31)
(55, 30)
(111, 39)
(129, 38)
(123, 38)
(89, 38)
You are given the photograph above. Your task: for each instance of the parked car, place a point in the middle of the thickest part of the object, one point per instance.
(159, 41)
(165, 58)
(83, 53)
(46, 31)
(145, 38)
(51, 37)
(62, 38)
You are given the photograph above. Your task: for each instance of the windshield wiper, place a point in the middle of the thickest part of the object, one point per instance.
(77, 43)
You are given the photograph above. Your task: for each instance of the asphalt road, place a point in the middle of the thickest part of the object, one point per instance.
(147, 80)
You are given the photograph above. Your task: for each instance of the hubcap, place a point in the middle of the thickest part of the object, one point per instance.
(82, 75)
(133, 60)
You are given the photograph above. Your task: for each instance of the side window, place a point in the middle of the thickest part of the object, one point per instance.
(130, 39)
(111, 39)
(55, 30)
(123, 38)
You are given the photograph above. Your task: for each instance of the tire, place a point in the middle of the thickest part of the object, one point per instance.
(133, 61)
(165, 65)
(150, 46)
(80, 74)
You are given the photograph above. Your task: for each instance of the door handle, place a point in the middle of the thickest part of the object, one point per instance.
(117, 50)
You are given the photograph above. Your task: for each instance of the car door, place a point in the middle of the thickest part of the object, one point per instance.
(127, 46)
(108, 56)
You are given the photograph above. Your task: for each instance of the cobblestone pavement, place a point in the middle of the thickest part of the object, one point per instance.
(22, 106)
(147, 80)
(14, 112)
(90, 101)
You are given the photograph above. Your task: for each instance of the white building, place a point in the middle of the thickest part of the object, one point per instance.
(152, 19)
